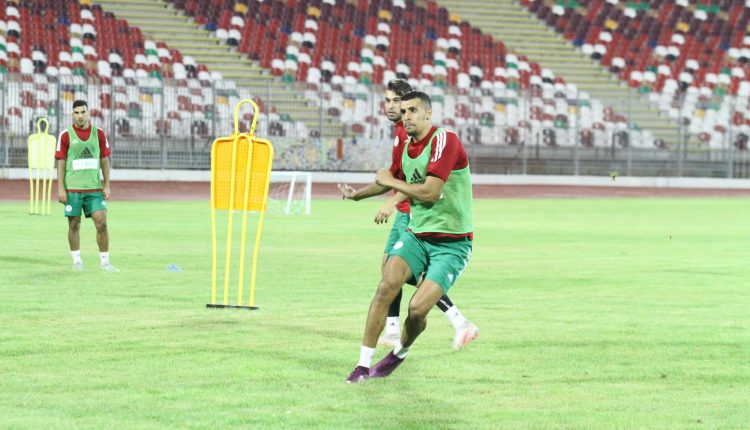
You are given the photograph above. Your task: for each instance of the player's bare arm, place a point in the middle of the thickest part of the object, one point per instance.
(62, 193)
(105, 176)
(386, 210)
(428, 192)
(369, 190)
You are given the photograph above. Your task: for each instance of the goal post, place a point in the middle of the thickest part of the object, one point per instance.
(290, 192)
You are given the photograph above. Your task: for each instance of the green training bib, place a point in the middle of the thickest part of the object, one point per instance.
(82, 164)
(453, 212)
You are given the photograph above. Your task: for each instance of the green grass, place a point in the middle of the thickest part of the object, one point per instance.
(594, 313)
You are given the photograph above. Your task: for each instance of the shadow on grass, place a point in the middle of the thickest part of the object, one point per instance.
(25, 260)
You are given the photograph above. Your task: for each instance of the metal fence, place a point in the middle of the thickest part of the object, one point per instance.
(162, 124)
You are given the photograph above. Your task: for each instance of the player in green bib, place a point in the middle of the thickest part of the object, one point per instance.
(433, 171)
(465, 330)
(82, 152)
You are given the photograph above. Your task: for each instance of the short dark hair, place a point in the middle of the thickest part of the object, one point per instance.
(423, 97)
(399, 86)
(79, 103)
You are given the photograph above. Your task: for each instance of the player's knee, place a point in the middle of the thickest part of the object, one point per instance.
(100, 221)
(395, 272)
(387, 290)
(101, 226)
(418, 311)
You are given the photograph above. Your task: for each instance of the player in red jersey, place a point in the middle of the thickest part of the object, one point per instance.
(82, 153)
(465, 330)
(432, 169)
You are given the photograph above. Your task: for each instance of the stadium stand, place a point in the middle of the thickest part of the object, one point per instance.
(464, 70)
(64, 46)
(523, 33)
(488, 92)
(685, 58)
(193, 33)
(440, 52)
(56, 48)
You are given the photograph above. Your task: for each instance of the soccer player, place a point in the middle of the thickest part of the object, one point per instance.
(433, 171)
(465, 330)
(83, 151)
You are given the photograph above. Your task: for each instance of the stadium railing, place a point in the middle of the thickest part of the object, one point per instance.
(165, 124)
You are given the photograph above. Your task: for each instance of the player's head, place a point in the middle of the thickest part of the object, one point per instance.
(416, 112)
(394, 90)
(81, 114)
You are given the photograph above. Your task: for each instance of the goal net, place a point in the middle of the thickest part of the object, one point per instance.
(290, 193)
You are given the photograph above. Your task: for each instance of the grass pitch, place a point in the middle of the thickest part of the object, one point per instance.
(593, 313)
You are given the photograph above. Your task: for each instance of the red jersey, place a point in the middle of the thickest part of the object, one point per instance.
(448, 154)
(63, 144)
(400, 141)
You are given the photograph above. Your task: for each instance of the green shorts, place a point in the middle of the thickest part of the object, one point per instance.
(89, 202)
(441, 262)
(400, 223)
